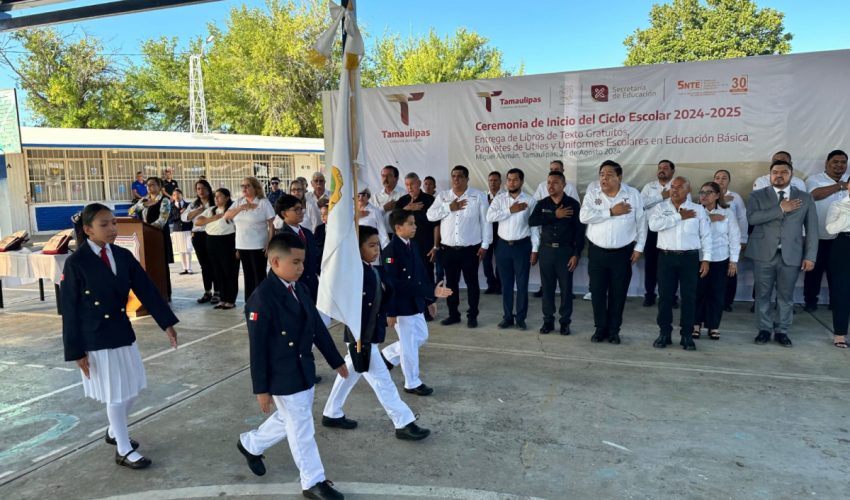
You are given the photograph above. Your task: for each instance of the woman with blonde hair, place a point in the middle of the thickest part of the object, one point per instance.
(252, 214)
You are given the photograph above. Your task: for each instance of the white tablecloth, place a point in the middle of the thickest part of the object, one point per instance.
(25, 267)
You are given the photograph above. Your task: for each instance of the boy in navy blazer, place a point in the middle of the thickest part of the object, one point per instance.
(290, 209)
(283, 325)
(378, 294)
(406, 311)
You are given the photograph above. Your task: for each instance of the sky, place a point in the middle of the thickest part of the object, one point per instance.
(545, 36)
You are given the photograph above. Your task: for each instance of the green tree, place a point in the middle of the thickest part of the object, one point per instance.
(693, 30)
(162, 82)
(71, 83)
(430, 59)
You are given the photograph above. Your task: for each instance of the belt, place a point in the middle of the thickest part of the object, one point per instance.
(677, 252)
(552, 245)
(515, 242)
(460, 248)
(611, 250)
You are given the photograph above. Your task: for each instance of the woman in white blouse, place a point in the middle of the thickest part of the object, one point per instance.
(253, 215)
(739, 208)
(838, 222)
(372, 215)
(155, 209)
(221, 245)
(199, 239)
(726, 247)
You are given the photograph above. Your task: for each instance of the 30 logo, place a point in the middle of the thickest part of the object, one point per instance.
(599, 93)
(403, 99)
(488, 101)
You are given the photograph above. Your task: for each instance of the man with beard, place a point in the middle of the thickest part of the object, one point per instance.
(653, 194)
(387, 198)
(542, 192)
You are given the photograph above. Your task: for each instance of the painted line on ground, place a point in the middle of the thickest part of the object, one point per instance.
(99, 431)
(140, 412)
(7, 473)
(8, 362)
(615, 445)
(367, 490)
(800, 377)
(47, 455)
(153, 356)
(177, 395)
(62, 368)
(35, 366)
(39, 315)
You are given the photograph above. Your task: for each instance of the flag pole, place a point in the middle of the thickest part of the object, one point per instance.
(353, 143)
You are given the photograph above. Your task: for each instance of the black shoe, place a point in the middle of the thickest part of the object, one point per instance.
(662, 341)
(412, 432)
(728, 309)
(546, 328)
(783, 339)
(599, 337)
(339, 423)
(428, 317)
(390, 366)
(675, 302)
(688, 342)
(207, 297)
(648, 300)
(449, 321)
(323, 490)
(505, 323)
(763, 337)
(184, 272)
(422, 390)
(110, 440)
(810, 308)
(471, 322)
(538, 293)
(520, 324)
(565, 330)
(141, 463)
(215, 299)
(753, 308)
(317, 379)
(255, 462)
(614, 338)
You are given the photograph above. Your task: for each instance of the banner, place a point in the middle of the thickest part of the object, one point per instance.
(731, 114)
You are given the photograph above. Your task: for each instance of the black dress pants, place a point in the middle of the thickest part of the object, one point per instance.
(839, 290)
(711, 292)
(610, 273)
(813, 279)
(650, 263)
(677, 270)
(225, 265)
(457, 261)
(253, 269)
(199, 243)
(553, 271)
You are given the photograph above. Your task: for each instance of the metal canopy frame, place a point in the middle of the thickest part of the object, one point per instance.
(65, 15)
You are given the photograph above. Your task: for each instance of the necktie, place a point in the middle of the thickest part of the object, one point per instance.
(301, 235)
(105, 258)
(781, 196)
(292, 291)
(407, 244)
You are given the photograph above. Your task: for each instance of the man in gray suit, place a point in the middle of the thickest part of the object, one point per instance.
(779, 249)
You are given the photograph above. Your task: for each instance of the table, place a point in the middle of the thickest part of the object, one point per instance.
(25, 267)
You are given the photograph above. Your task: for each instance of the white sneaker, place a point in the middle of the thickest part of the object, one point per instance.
(586, 296)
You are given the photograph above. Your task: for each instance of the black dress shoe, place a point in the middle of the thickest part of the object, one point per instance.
(565, 330)
(339, 423)
(783, 339)
(412, 432)
(389, 365)
(810, 308)
(255, 462)
(763, 337)
(505, 323)
(141, 463)
(599, 337)
(113, 442)
(317, 379)
(662, 341)
(205, 298)
(688, 342)
(184, 272)
(648, 301)
(546, 328)
(472, 323)
(422, 390)
(538, 293)
(323, 491)
(614, 338)
(449, 321)
(520, 324)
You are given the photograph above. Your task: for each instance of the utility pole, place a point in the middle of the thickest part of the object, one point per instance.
(198, 123)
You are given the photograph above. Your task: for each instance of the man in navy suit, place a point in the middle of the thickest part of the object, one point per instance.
(290, 209)
(283, 325)
(413, 294)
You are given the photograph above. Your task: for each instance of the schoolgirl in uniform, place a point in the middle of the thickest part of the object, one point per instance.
(96, 331)
(181, 231)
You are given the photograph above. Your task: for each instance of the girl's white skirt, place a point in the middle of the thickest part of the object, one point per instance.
(182, 241)
(117, 375)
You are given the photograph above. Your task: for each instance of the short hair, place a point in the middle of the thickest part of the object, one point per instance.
(178, 190)
(412, 176)
(392, 169)
(559, 162)
(781, 162)
(285, 202)
(835, 152)
(284, 243)
(463, 170)
(317, 174)
(611, 163)
(683, 178)
(274, 179)
(138, 173)
(496, 173)
(365, 233)
(255, 183)
(518, 172)
(296, 181)
(399, 217)
(155, 180)
(729, 175)
(429, 178)
(672, 165)
(366, 191)
(786, 153)
(559, 175)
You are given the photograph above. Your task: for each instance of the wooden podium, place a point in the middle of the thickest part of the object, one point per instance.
(146, 243)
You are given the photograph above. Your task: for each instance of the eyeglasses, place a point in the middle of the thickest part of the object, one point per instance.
(707, 193)
(275, 183)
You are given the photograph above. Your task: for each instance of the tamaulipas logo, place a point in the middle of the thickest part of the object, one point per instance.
(488, 101)
(402, 100)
